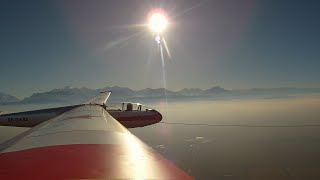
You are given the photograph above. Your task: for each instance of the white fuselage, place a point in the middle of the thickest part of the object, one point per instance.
(128, 118)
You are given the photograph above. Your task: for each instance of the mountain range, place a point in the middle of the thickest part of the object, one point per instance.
(78, 95)
(7, 98)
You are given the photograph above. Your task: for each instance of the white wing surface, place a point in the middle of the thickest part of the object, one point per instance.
(83, 143)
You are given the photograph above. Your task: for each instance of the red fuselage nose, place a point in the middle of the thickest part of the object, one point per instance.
(132, 119)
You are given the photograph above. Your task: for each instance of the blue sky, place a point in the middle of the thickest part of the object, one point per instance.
(234, 44)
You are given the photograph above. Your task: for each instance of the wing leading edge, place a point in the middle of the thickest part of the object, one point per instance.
(83, 143)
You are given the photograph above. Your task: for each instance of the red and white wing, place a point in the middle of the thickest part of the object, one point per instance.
(83, 143)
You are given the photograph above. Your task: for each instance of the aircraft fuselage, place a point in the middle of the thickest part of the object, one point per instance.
(128, 118)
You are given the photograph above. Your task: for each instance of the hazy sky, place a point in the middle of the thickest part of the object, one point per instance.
(231, 43)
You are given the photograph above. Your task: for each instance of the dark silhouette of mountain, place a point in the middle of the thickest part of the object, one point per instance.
(191, 92)
(275, 91)
(215, 90)
(119, 91)
(159, 92)
(69, 94)
(79, 95)
(6, 98)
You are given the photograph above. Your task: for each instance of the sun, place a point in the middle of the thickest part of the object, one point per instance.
(158, 22)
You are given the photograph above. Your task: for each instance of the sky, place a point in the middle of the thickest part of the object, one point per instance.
(233, 44)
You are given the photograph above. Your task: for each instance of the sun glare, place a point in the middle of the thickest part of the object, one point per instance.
(158, 22)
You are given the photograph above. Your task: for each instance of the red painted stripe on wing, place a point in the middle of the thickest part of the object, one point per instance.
(87, 162)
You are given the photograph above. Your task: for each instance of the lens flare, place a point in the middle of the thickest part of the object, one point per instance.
(158, 39)
(158, 22)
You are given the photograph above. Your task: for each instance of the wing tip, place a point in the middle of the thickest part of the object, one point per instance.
(100, 99)
(105, 92)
